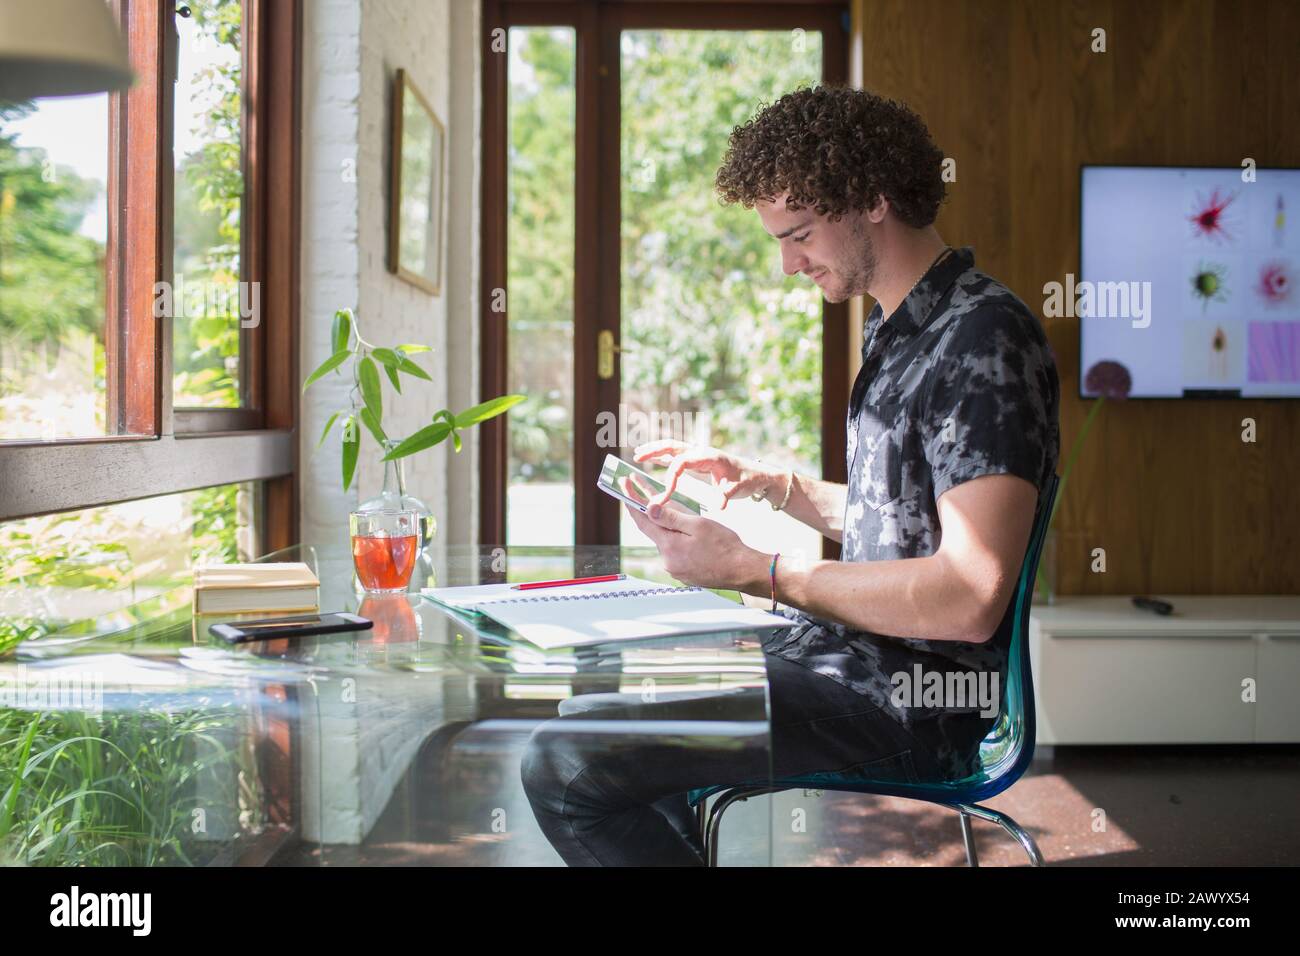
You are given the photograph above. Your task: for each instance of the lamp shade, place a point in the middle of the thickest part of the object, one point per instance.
(60, 48)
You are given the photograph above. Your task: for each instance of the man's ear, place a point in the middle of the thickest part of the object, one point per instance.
(877, 212)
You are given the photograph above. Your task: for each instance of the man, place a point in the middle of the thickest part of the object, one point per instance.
(952, 434)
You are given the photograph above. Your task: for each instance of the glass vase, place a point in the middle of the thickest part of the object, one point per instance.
(393, 497)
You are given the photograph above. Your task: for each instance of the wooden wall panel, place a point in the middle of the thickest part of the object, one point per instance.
(1013, 92)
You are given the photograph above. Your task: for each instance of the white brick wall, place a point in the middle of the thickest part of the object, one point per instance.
(410, 35)
(330, 267)
(352, 51)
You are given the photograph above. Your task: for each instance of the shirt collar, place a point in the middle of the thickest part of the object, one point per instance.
(915, 312)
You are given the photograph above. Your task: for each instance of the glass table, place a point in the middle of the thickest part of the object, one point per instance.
(134, 737)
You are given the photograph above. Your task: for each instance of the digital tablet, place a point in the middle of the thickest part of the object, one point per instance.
(616, 474)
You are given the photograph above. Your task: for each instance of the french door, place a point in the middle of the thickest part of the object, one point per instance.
(618, 294)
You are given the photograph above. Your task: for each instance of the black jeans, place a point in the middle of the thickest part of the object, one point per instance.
(614, 800)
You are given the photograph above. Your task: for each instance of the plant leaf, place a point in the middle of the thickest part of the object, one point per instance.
(486, 410)
(369, 421)
(326, 430)
(409, 349)
(410, 368)
(368, 376)
(426, 437)
(446, 415)
(391, 362)
(351, 443)
(327, 366)
(341, 331)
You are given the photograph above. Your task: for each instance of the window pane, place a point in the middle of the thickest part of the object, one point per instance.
(57, 569)
(144, 773)
(722, 348)
(53, 233)
(540, 237)
(209, 192)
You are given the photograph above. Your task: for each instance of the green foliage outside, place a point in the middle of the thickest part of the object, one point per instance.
(209, 195)
(122, 789)
(99, 549)
(540, 251)
(710, 325)
(52, 290)
(710, 322)
(51, 276)
(52, 283)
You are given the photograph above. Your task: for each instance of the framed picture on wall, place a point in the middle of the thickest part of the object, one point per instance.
(415, 205)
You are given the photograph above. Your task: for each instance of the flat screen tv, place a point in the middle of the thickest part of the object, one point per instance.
(1187, 284)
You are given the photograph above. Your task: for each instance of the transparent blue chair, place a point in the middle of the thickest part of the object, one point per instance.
(1005, 752)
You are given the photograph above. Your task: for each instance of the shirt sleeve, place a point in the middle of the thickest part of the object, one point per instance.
(993, 400)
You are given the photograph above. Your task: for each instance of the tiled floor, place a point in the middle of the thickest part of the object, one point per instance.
(1085, 806)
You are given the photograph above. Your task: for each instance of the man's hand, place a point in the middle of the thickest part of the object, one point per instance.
(818, 504)
(702, 552)
(731, 474)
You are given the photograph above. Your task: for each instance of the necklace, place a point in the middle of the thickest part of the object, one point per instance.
(885, 318)
(939, 258)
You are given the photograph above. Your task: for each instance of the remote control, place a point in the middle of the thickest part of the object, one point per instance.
(1153, 604)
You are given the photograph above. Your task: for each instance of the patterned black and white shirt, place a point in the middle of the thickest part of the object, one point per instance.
(959, 382)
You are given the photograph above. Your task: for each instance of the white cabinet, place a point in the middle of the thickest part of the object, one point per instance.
(1278, 717)
(1108, 673)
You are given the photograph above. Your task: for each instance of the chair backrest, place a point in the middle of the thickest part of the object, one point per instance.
(1008, 748)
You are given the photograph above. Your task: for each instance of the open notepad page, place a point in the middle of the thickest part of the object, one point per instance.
(476, 597)
(606, 611)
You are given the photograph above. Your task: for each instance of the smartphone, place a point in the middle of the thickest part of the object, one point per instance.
(615, 471)
(299, 626)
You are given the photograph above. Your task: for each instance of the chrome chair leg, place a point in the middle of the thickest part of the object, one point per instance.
(1020, 834)
(711, 822)
(725, 799)
(968, 838)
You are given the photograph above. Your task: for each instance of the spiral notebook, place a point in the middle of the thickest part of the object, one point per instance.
(578, 614)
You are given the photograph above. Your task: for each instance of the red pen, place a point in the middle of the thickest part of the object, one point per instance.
(559, 584)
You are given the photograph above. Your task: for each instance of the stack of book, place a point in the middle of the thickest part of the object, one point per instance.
(255, 588)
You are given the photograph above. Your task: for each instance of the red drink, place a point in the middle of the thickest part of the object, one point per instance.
(395, 620)
(385, 562)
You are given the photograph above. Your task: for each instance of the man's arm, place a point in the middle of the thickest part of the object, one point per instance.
(959, 593)
(818, 504)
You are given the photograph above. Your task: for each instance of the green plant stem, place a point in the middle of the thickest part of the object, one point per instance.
(356, 330)
(1075, 450)
(1074, 455)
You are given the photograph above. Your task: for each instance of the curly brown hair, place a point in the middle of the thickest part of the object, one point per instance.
(835, 149)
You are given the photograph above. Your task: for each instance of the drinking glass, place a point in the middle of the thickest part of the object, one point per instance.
(385, 547)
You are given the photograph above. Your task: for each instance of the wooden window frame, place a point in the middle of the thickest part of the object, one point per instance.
(153, 449)
(597, 266)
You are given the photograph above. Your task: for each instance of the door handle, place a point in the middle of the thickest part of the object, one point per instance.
(605, 349)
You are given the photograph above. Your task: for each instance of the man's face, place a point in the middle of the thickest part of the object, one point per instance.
(838, 256)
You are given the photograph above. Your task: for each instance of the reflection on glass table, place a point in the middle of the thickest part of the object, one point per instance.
(137, 738)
